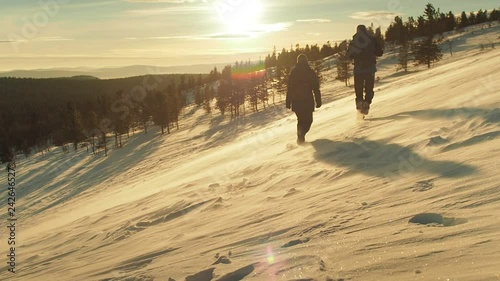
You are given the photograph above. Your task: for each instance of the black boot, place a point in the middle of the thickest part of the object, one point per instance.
(365, 107)
(359, 105)
(301, 137)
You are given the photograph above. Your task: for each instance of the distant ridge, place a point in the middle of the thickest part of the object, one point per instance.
(112, 72)
(83, 77)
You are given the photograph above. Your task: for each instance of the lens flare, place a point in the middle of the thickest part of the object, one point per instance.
(247, 72)
(270, 255)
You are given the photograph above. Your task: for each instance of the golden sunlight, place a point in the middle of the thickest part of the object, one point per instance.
(240, 17)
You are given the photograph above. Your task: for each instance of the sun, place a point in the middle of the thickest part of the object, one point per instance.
(241, 17)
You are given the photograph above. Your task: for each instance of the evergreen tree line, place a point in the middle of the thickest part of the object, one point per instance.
(280, 64)
(417, 40)
(288, 58)
(436, 22)
(242, 84)
(38, 113)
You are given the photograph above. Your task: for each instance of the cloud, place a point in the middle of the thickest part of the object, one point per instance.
(254, 31)
(372, 15)
(90, 4)
(222, 52)
(43, 39)
(229, 36)
(163, 1)
(164, 37)
(195, 37)
(167, 52)
(250, 33)
(170, 10)
(273, 27)
(53, 38)
(314, 20)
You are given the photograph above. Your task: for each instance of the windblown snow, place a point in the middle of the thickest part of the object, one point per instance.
(411, 193)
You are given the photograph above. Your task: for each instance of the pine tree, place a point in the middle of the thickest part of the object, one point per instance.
(199, 95)
(175, 103)
(145, 111)
(343, 67)
(421, 28)
(7, 134)
(399, 34)
(482, 16)
(326, 50)
(73, 127)
(431, 24)
(411, 27)
(225, 90)
(104, 126)
(253, 94)
(472, 18)
(391, 34)
(120, 117)
(263, 90)
(160, 112)
(494, 15)
(426, 52)
(451, 21)
(208, 100)
(91, 125)
(404, 55)
(379, 37)
(281, 80)
(464, 20)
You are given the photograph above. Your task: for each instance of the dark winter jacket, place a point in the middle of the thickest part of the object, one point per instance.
(364, 50)
(302, 83)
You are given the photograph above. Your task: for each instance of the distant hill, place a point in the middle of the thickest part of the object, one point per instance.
(84, 77)
(112, 72)
(83, 87)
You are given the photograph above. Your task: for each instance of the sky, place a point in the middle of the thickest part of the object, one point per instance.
(106, 33)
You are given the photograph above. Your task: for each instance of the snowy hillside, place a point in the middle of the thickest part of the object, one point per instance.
(240, 200)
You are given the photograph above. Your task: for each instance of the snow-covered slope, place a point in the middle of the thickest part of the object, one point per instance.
(240, 201)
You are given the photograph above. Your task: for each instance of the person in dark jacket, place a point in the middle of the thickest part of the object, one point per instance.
(364, 50)
(302, 83)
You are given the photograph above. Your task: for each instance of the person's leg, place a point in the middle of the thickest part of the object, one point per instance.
(299, 123)
(359, 83)
(307, 120)
(369, 84)
(304, 121)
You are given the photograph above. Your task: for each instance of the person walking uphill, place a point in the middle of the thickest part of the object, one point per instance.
(364, 50)
(302, 83)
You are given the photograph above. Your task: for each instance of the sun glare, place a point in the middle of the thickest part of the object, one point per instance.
(242, 17)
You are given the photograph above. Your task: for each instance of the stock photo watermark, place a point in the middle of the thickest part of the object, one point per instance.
(129, 101)
(32, 25)
(11, 217)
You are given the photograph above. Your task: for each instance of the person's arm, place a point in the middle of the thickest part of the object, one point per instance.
(378, 49)
(352, 50)
(316, 90)
(288, 100)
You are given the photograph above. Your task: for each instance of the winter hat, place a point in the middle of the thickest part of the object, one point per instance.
(302, 58)
(361, 27)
